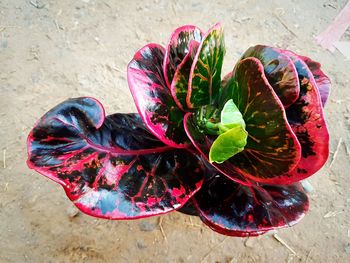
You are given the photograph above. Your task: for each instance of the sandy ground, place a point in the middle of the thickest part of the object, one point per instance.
(63, 49)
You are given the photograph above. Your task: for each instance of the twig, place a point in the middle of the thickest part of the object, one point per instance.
(280, 11)
(336, 152)
(194, 225)
(2, 28)
(161, 228)
(308, 255)
(113, 68)
(187, 224)
(4, 158)
(212, 249)
(58, 27)
(332, 214)
(285, 25)
(330, 5)
(191, 221)
(279, 239)
(37, 5)
(347, 149)
(337, 101)
(99, 43)
(241, 20)
(174, 9)
(106, 4)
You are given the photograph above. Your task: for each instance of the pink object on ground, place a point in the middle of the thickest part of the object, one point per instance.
(335, 30)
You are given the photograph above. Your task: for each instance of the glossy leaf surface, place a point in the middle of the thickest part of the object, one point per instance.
(203, 143)
(225, 93)
(232, 134)
(228, 144)
(152, 97)
(205, 76)
(177, 49)
(189, 209)
(279, 70)
(272, 148)
(321, 79)
(307, 121)
(236, 210)
(111, 167)
(231, 116)
(179, 84)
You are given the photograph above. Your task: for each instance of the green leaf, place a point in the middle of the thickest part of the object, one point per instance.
(231, 116)
(228, 144)
(179, 84)
(205, 75)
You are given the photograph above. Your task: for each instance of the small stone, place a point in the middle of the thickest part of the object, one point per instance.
(72, 211)
(307, 186)
(4, 43)
(141, 244)
(33, 199)
(147, 226)
(250, 242)
(347, 248)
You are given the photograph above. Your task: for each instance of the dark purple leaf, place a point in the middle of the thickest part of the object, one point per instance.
(236, 210)
(307, 121)
(177, 49)
(279, 70)
(152, 97)
(111, 167)
(272, 148)
(322, 81)
(189, 209)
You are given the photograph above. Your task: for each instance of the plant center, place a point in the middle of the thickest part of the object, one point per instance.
(232, 136)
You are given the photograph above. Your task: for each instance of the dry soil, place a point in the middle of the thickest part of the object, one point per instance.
(53, 50)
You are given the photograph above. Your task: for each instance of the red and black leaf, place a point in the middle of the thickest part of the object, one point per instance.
(279, 70)
(307, 121)
(111, 167)
(153, 98)
(322, 81)
(177, 49)
(236, 210)
(128, 166)
(272, 148)
(189, 209)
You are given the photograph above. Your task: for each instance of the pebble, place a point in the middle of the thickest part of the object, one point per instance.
(307, 186)
(347, 248)
(72, 211)
(141, 244)
(250, 242)
(147, 226)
